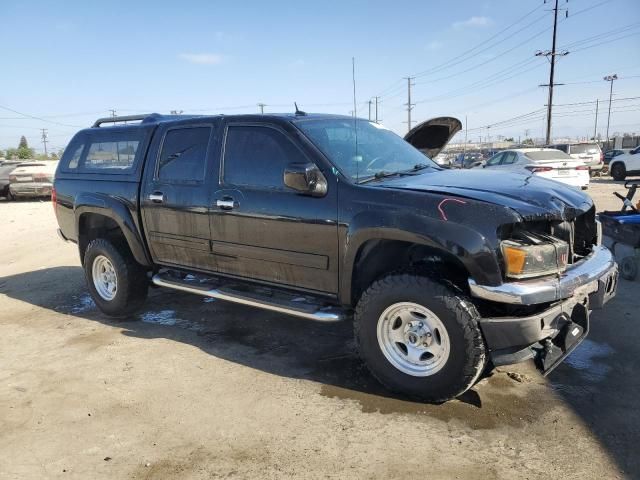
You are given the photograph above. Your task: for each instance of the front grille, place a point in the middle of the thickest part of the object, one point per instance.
(580, 233)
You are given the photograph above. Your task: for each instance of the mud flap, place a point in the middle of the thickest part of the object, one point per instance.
(554, 350)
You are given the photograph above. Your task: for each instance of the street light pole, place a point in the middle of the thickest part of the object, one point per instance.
(610, 79)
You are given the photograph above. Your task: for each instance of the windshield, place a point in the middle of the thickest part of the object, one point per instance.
(548, 155)
(379, 151)
(590, 148)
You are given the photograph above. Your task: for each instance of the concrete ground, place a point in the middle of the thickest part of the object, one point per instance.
(200, 389)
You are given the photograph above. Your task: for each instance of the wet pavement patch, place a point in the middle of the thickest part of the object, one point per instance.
(495, 402)
(168, 318)
(78, 304)
(589, 360)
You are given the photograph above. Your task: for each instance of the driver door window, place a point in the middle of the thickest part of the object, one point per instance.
(495, 160)
(256, 156)
(509, 158)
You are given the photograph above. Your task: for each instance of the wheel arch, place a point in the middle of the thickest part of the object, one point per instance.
(465, 250)
(99, 215)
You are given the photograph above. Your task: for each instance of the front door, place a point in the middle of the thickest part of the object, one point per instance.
(176, 196)
(261, 229)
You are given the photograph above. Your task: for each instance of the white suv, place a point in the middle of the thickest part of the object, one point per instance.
(626, 164)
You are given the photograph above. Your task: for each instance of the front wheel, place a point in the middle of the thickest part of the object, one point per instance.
(419, 338)
(117, 283)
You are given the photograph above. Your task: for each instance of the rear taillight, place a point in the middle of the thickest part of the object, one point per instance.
(539, 169)
(41, 177)
(582, 167)
(601, 157)
(53, 199)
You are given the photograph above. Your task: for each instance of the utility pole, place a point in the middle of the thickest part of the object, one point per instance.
(376, 109)
(466, 133)
(261, 107)
(595, 128)
(551, 54)
(409, 104)
(610, 79)
(113, 112)
(369, 110)
(44, 140)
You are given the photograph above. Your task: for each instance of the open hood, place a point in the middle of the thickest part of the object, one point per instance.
(432, 136)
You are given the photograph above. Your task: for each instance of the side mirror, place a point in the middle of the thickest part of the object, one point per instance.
(305, 178)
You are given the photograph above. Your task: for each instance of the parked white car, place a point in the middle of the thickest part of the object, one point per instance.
(543, 162)
(32, 179)
(624, 165)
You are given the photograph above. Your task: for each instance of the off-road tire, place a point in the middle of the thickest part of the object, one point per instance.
(618, 171)
(467, 357)
(628, 268)
(132, 279)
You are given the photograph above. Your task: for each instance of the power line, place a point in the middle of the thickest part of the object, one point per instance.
(453, 61)
(38, 118)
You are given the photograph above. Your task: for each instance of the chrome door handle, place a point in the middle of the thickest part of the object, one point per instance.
(156, 197)
(226, 204)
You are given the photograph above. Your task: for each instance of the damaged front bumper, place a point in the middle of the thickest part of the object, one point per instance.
(551, 334)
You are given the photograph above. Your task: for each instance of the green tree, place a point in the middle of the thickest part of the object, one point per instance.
(2, 154)
(23, 142)
(24, 153)
(12, 153)
(527, 141)
(510, 139)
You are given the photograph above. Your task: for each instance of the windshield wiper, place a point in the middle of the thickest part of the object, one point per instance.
(420, 166)
(383, 174)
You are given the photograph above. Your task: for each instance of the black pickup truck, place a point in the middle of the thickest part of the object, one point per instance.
(444, 273)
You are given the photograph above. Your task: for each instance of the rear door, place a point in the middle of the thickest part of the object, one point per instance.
(261, 229)
(177, 194)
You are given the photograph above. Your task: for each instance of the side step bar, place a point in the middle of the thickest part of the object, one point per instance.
(286, 304)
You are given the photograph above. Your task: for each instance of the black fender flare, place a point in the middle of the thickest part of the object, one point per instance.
(470, 247)
(119, 212)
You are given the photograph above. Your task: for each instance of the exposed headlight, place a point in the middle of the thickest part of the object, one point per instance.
(522, 260)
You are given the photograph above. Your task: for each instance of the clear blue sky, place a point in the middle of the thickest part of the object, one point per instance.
(70, 62)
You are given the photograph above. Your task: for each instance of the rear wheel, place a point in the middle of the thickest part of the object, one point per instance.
(117, 283)
(618, 171)
(419, 338)
(628, 268)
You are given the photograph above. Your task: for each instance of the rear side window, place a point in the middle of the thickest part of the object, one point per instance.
(257, 156)
(184, 154)
(74, 156)
(588, 148)
(548, 155)
(118, 155)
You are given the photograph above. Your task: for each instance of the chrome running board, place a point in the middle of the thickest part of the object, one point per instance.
(282, 302)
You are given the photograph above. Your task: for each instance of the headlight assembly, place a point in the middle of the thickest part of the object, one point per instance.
(522, 260)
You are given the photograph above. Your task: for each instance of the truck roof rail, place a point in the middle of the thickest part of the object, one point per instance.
(125, 118)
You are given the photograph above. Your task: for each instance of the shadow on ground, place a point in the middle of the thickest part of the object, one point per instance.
(599, 381)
